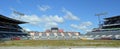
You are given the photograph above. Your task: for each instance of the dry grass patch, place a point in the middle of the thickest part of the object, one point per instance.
(107, 43)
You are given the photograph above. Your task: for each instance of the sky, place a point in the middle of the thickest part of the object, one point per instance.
(70, 15)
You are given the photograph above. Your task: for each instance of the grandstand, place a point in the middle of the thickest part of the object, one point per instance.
(110, 29)
(10, 30)
(54, 34)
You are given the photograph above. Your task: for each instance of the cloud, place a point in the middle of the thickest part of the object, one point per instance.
(51, 24)
(33, 19)
(53, 18)
(43, 7)
(69, 15)
(48, 21)
(45, 20)
(83, 26)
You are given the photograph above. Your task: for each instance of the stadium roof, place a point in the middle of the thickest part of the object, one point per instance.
(113, 17)
(10, 20)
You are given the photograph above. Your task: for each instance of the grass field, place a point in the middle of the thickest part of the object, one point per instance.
(96, 43)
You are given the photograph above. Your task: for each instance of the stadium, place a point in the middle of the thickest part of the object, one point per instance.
(10, 29)
(108, 35)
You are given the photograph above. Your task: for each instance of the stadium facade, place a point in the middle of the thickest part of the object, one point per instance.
(110, 29)
(10, 29)
(54, 34)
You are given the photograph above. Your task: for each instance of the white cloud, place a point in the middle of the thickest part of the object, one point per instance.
(83, 26)
(53, 18)
(69, 15)
(48, 21)
(33, 19)
(45, 20)
(51, 24)
(44, 7)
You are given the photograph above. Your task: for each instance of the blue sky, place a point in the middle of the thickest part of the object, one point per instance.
(70, 15)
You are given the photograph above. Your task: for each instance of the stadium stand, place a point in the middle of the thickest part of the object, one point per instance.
(54, 35)
(110, 29)
(10, 30)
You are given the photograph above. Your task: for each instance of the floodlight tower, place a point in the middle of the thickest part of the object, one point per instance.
(100, 14)
(18, 13)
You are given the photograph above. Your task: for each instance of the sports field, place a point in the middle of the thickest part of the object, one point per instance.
(96, 43)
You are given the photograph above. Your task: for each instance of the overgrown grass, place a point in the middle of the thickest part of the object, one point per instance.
(97, 43)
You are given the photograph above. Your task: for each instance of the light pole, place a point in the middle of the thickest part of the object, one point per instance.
(98, 15)
(18, 13)
(99, 21)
